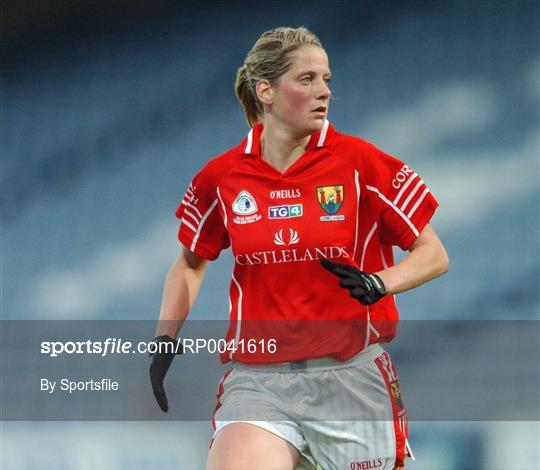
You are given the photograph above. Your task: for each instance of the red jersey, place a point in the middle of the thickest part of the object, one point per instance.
(343, 199)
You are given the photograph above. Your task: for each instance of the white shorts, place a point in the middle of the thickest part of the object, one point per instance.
(339, 415)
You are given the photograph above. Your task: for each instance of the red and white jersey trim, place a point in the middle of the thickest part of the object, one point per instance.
(418, 202)
(195, 219)
(198, 226)
(222, 207)
(320, 142)
(398, 211)
(324, 130)
(249, 142)
(239, 315)
(358, 193)
(404, 188)
(366, 243)
(187, 224)
(411, 195)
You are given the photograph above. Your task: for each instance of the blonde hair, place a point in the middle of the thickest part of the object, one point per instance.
(269, 58)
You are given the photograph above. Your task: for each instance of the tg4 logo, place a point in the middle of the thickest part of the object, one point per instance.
(286, 211)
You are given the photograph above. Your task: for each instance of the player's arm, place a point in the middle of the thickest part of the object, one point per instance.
(401, 208)
(181, 289)
(426, 260)
(182, 286)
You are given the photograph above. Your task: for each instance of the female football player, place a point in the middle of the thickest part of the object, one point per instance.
(311, 216)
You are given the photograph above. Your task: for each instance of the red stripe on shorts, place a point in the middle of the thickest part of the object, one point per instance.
(389, 373)
(219, 394)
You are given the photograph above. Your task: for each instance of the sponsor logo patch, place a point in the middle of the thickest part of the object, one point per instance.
(245, 208)
(292, 240)
(291, 255)
(244, 204)
(331, 199)
(285, 193)
(285, 212)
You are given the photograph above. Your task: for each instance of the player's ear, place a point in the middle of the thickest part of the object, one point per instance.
(265, 92)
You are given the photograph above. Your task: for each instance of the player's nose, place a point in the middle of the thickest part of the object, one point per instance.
(324, 91)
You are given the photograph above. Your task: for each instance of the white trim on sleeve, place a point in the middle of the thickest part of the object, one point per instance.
(420, 199)
(405, 186)
(187, 224)
(411, 195)
(186, 212)
(187, 204)
(398, 211)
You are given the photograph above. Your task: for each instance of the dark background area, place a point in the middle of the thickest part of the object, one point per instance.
(110, 107)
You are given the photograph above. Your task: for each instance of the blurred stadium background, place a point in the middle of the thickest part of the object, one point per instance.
(110, 107)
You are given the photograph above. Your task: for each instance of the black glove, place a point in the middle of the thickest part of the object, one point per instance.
(160, 365)
(364, 287)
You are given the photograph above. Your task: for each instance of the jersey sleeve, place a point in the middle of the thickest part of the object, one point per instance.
(201, 226)
(403, 201)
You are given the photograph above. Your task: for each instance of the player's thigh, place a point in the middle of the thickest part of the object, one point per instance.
(243, 446)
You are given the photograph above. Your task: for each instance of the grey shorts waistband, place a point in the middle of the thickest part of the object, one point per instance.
(366, 355)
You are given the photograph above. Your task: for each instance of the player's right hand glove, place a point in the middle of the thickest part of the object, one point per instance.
(167, 348)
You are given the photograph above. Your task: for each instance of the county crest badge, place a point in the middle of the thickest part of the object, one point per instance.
(331, 199)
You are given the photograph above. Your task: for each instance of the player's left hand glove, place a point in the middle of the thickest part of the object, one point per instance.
(364, 287)
(161, 362)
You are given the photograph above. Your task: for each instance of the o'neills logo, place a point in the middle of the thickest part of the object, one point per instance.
(366, 464)
(294, 255)
(285, 193)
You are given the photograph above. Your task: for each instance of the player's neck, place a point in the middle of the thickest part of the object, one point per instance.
(280, 147)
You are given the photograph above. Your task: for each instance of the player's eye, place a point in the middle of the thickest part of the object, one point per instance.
(327, 80)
